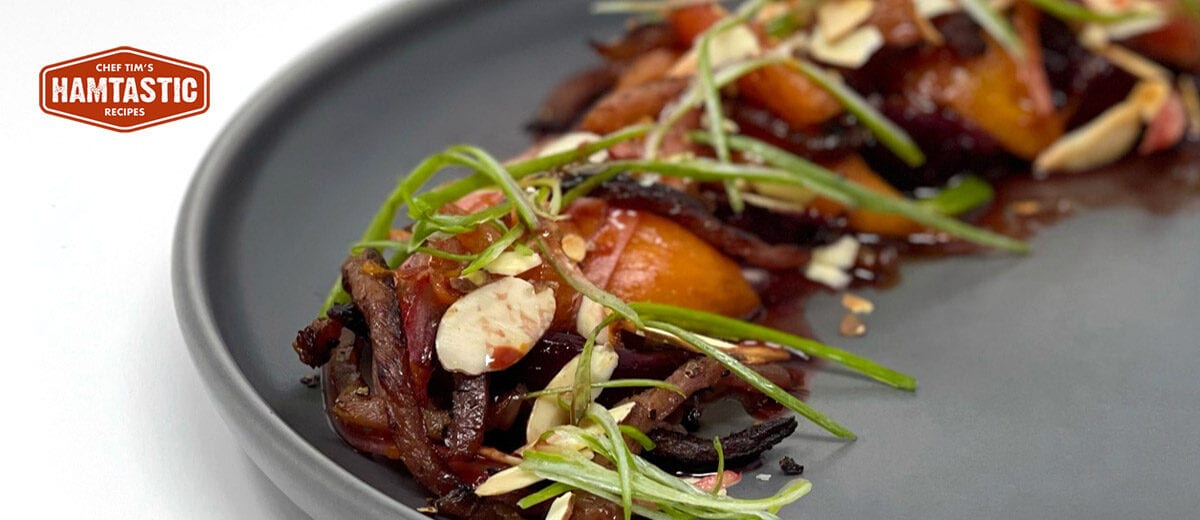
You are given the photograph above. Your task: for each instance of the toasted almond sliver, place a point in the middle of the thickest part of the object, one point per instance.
(734, 44)
(574, 246)
(838, 18)
(1134, 63)
(851, 51)
(857, 304)
(1103, 140)
(507, 480)
(852, 326)
(562, 507)
(933, 8)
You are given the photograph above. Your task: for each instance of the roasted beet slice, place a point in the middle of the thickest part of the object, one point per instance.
(687, 453)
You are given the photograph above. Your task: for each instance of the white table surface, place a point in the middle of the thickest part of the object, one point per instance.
(106, 417)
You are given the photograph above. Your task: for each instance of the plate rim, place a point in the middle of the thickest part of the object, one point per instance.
(292, 464)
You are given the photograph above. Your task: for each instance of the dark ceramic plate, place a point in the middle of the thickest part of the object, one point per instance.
(1063, 384)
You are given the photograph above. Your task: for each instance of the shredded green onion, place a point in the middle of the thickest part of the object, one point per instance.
(723, 327)
(638, 437)
(621, 454)
(782, 25)
(754, 379)
(892, 136)
(995, 24)
(1073, 11)
(695, 96)
(547, 493)
(585, 286)
(493, 250)
(966, 194)
(822, 181)
(720, 480)
(712, 96)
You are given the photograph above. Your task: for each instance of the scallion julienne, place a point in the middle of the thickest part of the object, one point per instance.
(966, 194)
(892, 136)
(821, 179)
(723, 327)
(753, 378)
(615, 383)
(407, 186)
(712, 96)
(585, 287)
(995, 24)
(1073, 11)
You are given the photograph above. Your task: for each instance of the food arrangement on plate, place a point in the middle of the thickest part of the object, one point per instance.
(542, 339)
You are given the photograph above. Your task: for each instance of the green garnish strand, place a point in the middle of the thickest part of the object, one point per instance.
(503, 179)
(723, 327)
(459, 188)
(720, 480)
(996, 25)
(547, 493)
(581, 397)
(402, 245)
(578, 472)
(381, 223)
(782, 25)
(585, 287)
(754, 379)
(1074, 12)
(822, 179)
(888, 133)
(494, 250)
(615, 383)
(623, 458)
(638, 437)
(968, 193)
(712, 96)
(694, 96)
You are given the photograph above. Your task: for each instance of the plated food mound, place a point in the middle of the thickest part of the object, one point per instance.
(542, 339)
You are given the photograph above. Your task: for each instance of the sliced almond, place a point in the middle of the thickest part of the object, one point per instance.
(574, 246)
(512, 263)
(857, 304)
(1135, 64)
(785, 192)
(852, 326)
(838, 18)
(932, 8)
(507, 481)
(572, 141)
(494, 326)
(546, 413)
(590, 316)
(851, 51)
(829, 263)
(734, 44)
(562, 507)
(1103, 140)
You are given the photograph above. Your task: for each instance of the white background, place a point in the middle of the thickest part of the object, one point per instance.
(104, 415)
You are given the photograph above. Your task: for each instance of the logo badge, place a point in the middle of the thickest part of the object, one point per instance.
(124, 89)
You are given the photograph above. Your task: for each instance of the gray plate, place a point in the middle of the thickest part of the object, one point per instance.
(1058, 385)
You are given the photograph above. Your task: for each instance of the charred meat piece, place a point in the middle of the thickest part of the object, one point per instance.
(687, 211)
(373, 291)
(685, 452)
(656, 404)
(315, 342)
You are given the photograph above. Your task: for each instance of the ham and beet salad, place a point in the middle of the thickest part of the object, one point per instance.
(542, 338)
